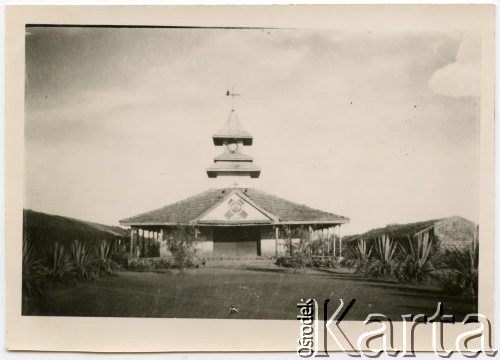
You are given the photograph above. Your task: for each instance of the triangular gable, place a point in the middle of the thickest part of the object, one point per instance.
(235, 209)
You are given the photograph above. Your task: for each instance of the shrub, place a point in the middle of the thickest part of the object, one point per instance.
(283, 261)
(383, 261)
(323, 245)
(361, 258)
(182, 246)
(449, 282)
(149, 264)
(323, 262)
(350, 263)
(58, 265)
(104, 262)
(417, 263)
(300, 255)
(462, 272)
(162, 263)
(85, 267)
(294, 262)
(298, 262)
(33, 271)
(139, 264)
(121, 258)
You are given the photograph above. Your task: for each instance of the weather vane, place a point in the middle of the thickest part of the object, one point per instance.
(232, 93)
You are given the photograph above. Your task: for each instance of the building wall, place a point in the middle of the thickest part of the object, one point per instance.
(268, 247)
(283, 245)
(268, 242)
(236, 242)
(454, 233)
(203, 247)
(205, 243)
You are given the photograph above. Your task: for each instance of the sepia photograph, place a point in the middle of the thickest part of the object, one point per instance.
(217, 172)
(212, 171)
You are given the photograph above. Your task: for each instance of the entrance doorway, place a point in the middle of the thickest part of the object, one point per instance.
(237, 241)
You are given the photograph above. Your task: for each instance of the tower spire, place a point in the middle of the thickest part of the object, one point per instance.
(232, 162)
(232, 93)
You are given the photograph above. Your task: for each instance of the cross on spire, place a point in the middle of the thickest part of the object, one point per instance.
(235, 184)
(232, 93)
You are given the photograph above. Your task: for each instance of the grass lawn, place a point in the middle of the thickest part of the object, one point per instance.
(259, 293)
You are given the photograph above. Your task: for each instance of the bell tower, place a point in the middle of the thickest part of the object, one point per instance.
(232, 162)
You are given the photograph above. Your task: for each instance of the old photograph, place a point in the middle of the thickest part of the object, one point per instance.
(189, 179)
(176, 172)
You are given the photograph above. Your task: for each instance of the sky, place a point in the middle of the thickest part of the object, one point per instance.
(379, 127)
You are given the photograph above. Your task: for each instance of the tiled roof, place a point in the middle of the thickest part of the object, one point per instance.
(395, 230)
(403, 231)
(188, 210)
(289, 211)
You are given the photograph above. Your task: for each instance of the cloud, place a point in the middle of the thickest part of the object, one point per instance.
(128, 120)
(463, 77)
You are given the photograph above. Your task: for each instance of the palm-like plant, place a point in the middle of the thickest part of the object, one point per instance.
(418, 259)
(384, 258)
(82, 261)
(104, 253)
(361, 256)
(463, 268)
(57, 263)
(33, 271)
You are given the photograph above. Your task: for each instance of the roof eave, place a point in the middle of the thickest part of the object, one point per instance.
(312, 222)
(219, 139)
(215, 223)
(230, 172)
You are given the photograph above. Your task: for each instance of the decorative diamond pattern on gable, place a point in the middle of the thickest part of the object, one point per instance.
(234, 209)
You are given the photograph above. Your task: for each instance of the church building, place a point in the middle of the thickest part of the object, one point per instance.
(230, 222)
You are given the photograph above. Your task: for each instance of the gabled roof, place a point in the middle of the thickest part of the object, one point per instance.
(189, 210)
